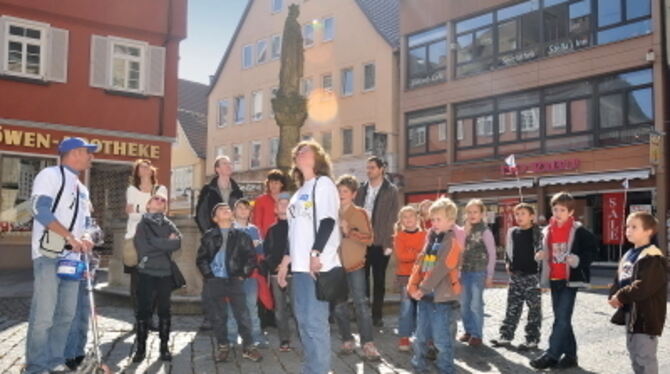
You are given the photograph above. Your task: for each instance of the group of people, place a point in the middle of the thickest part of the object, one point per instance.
(281, 244)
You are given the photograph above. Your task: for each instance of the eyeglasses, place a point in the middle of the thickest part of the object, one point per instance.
(158, 198)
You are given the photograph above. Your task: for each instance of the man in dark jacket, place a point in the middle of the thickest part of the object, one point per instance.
(381, 200)
(225, 258)
(221, 189)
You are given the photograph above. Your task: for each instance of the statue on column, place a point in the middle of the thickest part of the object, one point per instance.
(289, 106)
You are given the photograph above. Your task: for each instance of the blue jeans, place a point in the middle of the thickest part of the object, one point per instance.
(251, 291)
(407, 318)
(472, 302)
(356, 283)
(435, 319)
(562, 339)
(312, 317)
(51, 313)
(76, 340)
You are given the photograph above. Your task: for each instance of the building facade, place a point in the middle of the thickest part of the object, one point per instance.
(574, 89)
(350, 80)
(190, 150)
(105, 71)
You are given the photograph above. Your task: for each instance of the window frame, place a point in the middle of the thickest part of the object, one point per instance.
(273, 151)
(430, 73)
(274, 9)
(432, 120)
(43, 28)
(369, 148)
(365, 75)
(256, 114)
(142, 60)
(236, 102)
(278, 40)
(266, 52)
(623, 21)
(252, 153)
(331, 88)
(324, 37)
(594, 130)
(347, 150)
(237, 149)
(250, 47)
(222, 121)
(342, 82)
(304, 32)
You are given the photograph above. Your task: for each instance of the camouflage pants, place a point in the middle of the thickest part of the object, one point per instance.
(523, 288)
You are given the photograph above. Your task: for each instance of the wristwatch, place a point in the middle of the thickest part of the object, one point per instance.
(314, 253)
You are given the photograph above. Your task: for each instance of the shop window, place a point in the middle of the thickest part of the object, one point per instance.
(623, 19)
(275, 47)
(239, 109)
(274, 149)
(427, 57)
(255, 155)
(347, 141)
(328, 29)
(261, 51)
(16, 182)
(223, 113)
(327, 141)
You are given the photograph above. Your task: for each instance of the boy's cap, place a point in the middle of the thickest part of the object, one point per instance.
(284, 196)
(217, 206)
(74, 143)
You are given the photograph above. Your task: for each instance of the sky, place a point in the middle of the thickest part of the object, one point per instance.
(211, 24)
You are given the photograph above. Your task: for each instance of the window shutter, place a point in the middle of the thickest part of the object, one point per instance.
(3, 45)
(155, 71)
(99, 61)
(57, 56)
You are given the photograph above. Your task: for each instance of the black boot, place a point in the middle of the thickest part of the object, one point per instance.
(141, 337)
(164, 334)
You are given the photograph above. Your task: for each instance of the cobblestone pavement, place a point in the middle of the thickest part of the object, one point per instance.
(601, 345)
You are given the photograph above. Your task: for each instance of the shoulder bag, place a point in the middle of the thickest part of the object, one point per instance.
(331, 285)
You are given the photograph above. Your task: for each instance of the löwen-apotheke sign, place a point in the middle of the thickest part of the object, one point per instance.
(542, 167)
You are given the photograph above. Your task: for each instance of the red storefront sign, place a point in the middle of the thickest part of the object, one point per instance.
(613, 217)
(542, 167)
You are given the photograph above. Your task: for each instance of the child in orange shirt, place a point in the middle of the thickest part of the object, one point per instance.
(408, 242)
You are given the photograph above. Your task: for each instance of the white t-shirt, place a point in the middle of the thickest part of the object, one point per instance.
(370, 198)
(138, 199)
(301, 224)
(48, 183)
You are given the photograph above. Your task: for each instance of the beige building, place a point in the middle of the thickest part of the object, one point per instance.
(350, 79)
(189, 151)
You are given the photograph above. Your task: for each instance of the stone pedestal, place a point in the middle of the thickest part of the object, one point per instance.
(185, 300)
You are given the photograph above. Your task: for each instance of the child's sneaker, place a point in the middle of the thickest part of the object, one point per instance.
(222, 353)
(347, 347)
(501, 342)
(465, 338)
(404, 345)
(285, 346)
(370, 352)
(251, 353)
(527, 346)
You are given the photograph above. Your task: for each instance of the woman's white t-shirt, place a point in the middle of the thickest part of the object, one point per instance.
(138, 199)
(301, 224)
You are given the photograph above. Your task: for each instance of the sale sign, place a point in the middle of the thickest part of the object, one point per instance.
(613, 217)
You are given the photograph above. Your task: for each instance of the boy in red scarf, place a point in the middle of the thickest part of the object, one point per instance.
(567, 253)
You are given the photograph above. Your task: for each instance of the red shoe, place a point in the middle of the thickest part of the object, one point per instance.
(404, 345)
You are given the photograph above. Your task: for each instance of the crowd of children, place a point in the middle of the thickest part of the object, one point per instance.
(441, 272)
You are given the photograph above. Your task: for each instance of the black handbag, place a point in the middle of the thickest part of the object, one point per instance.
(178, 280)
(331, 285)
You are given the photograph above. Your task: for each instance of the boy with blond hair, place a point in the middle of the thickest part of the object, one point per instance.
(435, 284)
(640, 293)
(567, 252)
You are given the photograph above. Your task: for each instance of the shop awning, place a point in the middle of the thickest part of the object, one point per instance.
(597, 177)
(489, 186)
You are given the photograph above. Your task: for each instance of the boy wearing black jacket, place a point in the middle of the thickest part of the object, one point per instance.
(225, 258)
(640, 293)
(276, 246)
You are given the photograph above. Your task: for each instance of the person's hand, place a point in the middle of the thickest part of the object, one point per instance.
(417, 295)
(257, 243)
(282, 271)
(614, 302)
(314, 266)
(572, 260)
(173, 236)
(388, 251)
(76, 244)
(539, 256)
(507, 269)
(87, 245)
(489, 283)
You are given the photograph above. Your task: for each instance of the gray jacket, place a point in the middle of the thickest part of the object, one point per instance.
(384, 213)
(154, 246)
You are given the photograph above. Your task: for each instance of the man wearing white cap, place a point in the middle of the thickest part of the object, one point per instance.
(61, 211)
